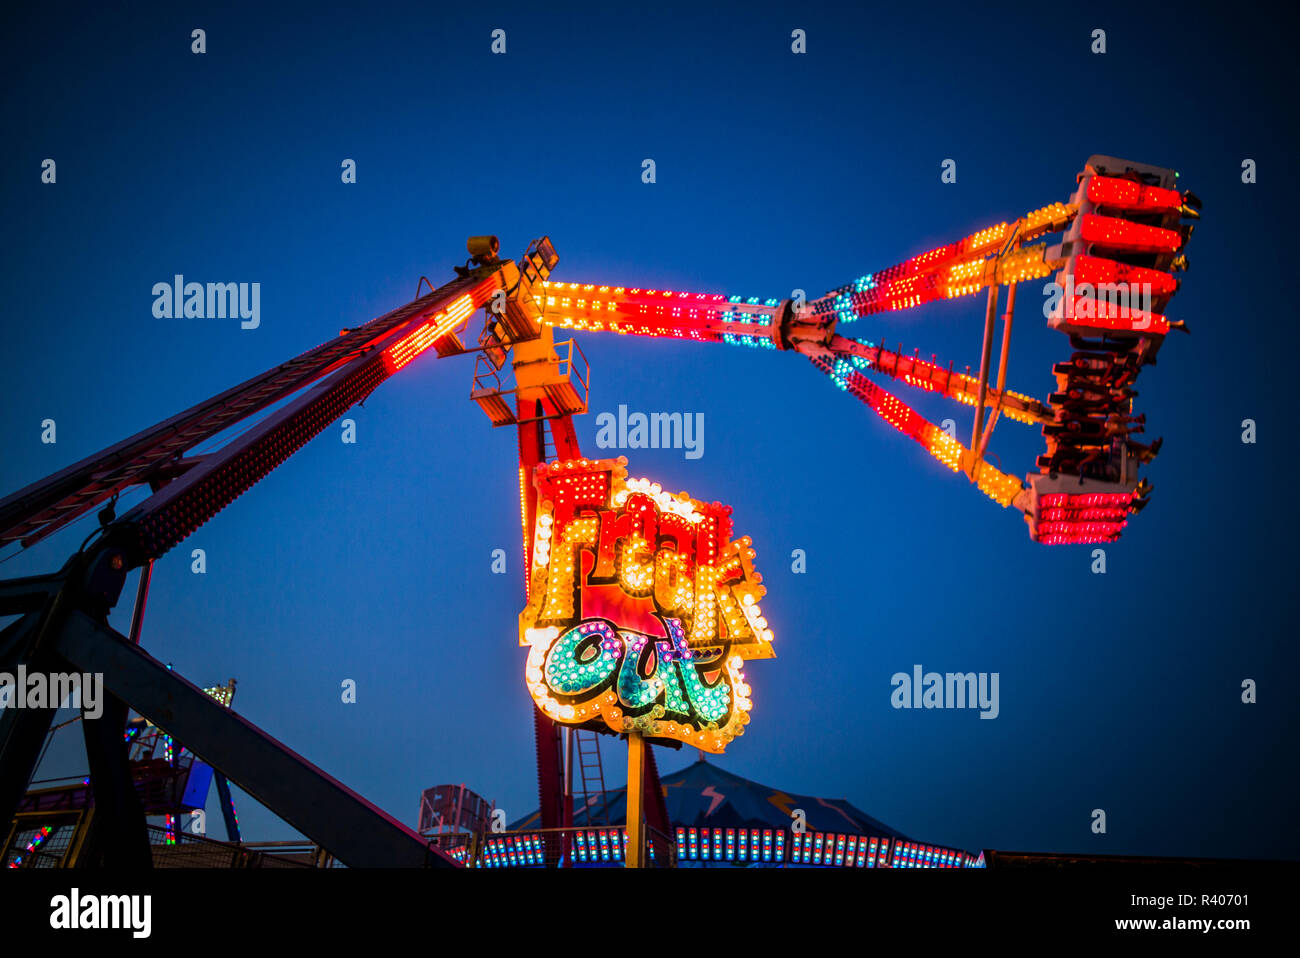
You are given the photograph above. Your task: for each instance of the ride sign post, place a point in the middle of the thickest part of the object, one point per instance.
(641, 613)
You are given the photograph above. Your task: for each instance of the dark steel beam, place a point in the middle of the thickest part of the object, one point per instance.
(656, 809)
(318, 805)
(227, 807)
(22, 730)
(20, 596)
(119, 833)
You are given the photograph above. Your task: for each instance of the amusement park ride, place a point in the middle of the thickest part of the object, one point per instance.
(639, 606)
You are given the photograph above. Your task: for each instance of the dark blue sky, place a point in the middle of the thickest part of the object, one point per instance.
(775, 171)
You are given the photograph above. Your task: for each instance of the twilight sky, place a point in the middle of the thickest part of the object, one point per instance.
(774, 171)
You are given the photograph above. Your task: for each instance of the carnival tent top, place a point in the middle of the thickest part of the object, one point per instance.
(702, 795)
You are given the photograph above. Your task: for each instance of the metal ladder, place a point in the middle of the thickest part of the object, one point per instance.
(586, 745)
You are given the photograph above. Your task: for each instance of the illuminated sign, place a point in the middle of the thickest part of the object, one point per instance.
(641, 609)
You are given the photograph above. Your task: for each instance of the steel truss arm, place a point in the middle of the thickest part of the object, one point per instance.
(998, 486)
(957, 269)
(714, 318)
(934, 378)
(172, 513)
(44, 507)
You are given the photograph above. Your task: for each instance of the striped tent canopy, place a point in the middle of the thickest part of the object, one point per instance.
(702, 795)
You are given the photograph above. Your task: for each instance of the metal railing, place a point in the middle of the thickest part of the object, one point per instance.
(606, 846)
(174, 848)
(574, 847)
(572, 364)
